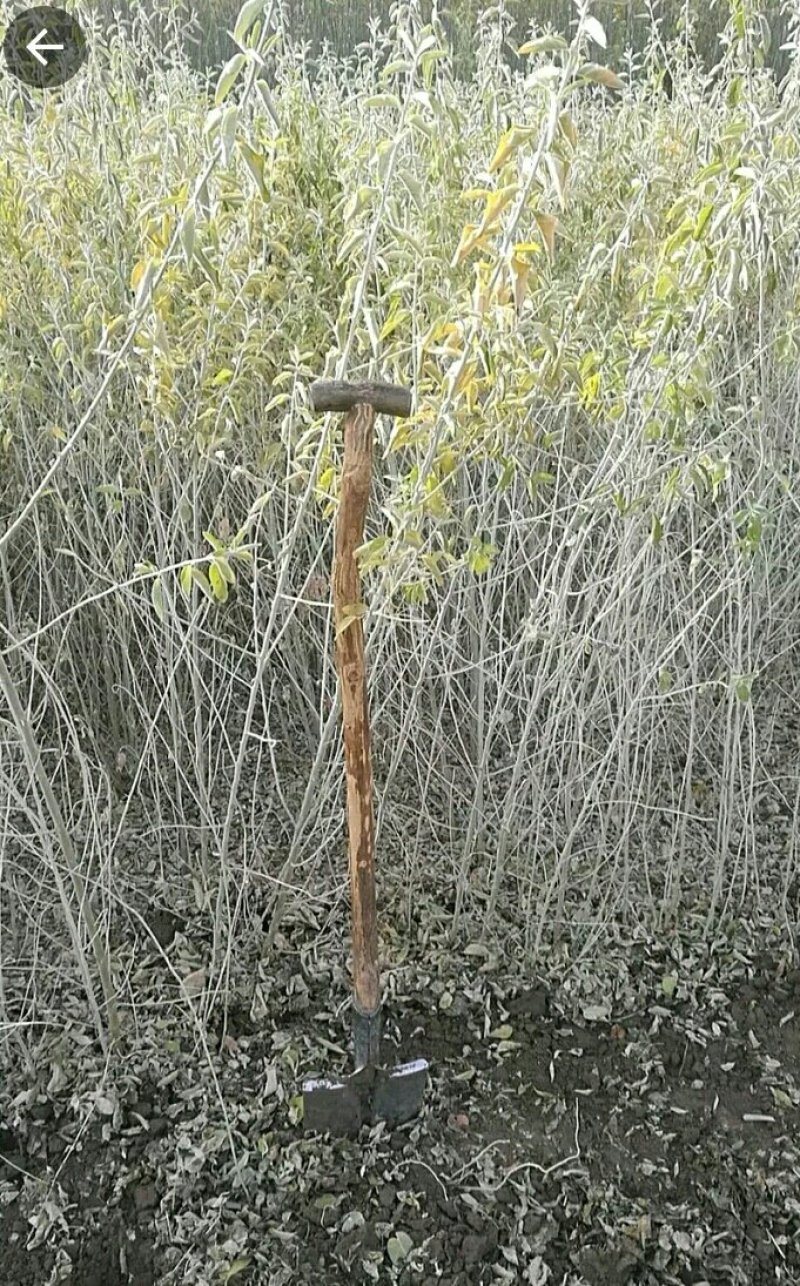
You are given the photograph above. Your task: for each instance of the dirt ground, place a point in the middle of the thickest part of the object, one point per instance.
(630, 1122)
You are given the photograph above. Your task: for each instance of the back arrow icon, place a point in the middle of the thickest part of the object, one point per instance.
(35, 48)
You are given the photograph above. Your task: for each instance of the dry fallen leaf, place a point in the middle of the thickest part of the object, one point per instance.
(194, 983)
(458, 1121)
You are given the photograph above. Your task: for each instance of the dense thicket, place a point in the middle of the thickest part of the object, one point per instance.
(583, 565)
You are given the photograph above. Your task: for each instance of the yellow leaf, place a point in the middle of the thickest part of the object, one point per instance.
(480, 295)
(509, 143)
(463, 247)
(452, 333)
(547, 226)
(495, 206)
(464, 376)
(114, 323)
(601, 76)
(520, 269)
(639, 1231)
(138, 273)
(466, 244)
(435, 502)
(558, 173)
(447, 460)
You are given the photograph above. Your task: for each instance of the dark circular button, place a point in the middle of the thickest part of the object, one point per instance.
(44, 47)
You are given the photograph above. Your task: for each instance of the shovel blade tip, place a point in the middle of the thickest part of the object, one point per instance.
(341, 1107)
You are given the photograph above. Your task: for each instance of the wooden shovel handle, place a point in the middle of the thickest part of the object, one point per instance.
(347, 605)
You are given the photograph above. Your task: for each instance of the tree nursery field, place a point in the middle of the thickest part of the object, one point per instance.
(399, 625)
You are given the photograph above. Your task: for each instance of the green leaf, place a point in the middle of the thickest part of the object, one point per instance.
(547, 337)
(399, 1247)
(296, 1109)
(743, 686)
(664, 680)
(222, 377)
(255, 163)
(567, 127)
(399, 64)
(383, 100)
(372, 553)
(186, 580)
(207, 266)
(479, 558)
(415, 592)
(201, 580)
(227, 131)
(502, 1033)
(351, 612)
(227, 77)
(543, 45)
(224, 568)
(430, 57)
(248, 13)
(701, 221)
(157, 598)
(219, 585)
(188, 233)
(668, 984)
(238, 1265)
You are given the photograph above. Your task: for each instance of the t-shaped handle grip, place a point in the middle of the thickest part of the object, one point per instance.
(340, 395)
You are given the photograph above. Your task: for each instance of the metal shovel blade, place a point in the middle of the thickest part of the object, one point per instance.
(371, 1094)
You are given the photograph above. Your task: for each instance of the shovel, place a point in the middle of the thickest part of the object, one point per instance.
(372, 1093)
